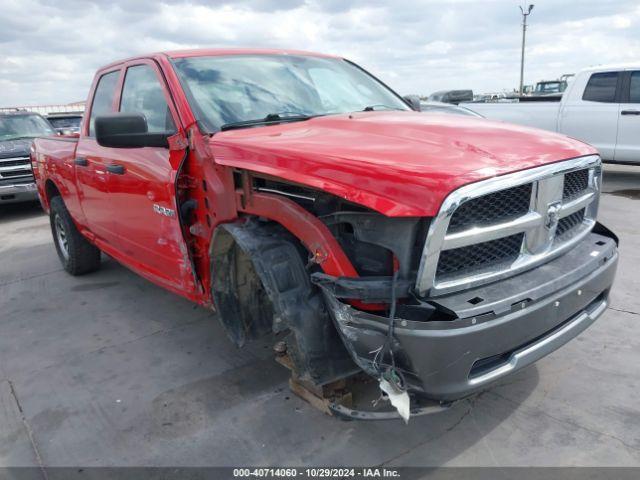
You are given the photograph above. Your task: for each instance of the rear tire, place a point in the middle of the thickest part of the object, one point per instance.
(76, 254)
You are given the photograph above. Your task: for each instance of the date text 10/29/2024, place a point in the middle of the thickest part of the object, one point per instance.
(324, 472)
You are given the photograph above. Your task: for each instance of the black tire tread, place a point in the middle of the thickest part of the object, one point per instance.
(83, 256)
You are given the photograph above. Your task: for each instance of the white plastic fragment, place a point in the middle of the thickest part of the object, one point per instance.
(398, 399)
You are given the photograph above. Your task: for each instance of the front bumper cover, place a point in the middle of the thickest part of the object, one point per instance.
(519, 320)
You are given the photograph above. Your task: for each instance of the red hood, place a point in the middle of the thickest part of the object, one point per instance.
(398, 163)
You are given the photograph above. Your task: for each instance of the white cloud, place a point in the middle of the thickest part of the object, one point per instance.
(50, 49)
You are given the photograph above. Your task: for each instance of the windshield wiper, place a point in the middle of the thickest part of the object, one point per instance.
(372, 108)
(271, 119)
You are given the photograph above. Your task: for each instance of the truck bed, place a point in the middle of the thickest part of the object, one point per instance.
(542, 115)
(51, 154)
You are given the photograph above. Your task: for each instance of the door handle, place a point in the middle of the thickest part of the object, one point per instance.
(630, 112)
(115, 169)
(81, 162)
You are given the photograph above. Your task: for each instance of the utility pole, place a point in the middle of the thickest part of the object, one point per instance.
(524, 32)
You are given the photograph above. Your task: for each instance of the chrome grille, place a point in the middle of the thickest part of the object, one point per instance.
(567, 225)
(479, 256)
(504, 225)
(15, 168)
(575, 183)
(499, 206)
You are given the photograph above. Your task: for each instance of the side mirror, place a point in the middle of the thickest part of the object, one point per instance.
(413, 101)
(127, 130)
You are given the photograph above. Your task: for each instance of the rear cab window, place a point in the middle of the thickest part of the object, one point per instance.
(103, 97)
(601, 87)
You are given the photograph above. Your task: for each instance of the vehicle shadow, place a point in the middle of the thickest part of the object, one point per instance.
(20, 211)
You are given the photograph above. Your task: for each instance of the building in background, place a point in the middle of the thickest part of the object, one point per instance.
(75, 107)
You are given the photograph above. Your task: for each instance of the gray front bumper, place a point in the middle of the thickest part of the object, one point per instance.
(21, 192)
(518, 321)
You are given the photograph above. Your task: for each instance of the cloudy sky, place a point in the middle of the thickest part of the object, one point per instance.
(49, 49)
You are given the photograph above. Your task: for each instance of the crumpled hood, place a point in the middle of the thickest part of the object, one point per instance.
(398, 163)
(15, 148)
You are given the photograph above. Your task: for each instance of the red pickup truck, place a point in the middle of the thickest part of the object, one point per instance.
(294, 193)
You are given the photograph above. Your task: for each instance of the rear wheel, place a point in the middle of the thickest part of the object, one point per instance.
(77, 255)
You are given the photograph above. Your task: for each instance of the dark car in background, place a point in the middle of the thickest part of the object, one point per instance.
(17, 131)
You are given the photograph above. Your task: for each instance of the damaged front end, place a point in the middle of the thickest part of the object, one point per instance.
(433, 309)
(261, 285)
(448, 347)
(511, 269)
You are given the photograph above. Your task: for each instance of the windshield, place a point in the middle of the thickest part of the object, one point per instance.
(230, 89)
(23, 126)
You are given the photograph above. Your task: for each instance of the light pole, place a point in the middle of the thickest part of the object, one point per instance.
(524, 32)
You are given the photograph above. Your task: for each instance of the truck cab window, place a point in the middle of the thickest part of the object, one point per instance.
(143, 93)
(103, 98)
(634, 92)
(601, 87)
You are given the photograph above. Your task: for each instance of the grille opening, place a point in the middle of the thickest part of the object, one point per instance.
(475, 300)
(479, 256)
(493, 208)
(485, 365)
(568, 224)
(575, 183)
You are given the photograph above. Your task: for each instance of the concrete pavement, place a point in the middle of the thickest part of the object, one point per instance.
(109, 370)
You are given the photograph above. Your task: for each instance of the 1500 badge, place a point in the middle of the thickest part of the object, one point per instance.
(167, 212)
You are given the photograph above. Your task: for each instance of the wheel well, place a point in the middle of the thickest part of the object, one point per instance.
(243, 305)
(51, 190)
(260, 284)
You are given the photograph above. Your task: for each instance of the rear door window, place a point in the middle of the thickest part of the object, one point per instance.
(103, 98)
(634, 90)
(143, 93)
(601, 87)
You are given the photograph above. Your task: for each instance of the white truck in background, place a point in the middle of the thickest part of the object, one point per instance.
(601, 106)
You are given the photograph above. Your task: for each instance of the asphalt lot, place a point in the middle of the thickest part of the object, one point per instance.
(109, 370)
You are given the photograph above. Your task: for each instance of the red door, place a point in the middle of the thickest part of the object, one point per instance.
(91, 161)
(141, 184)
